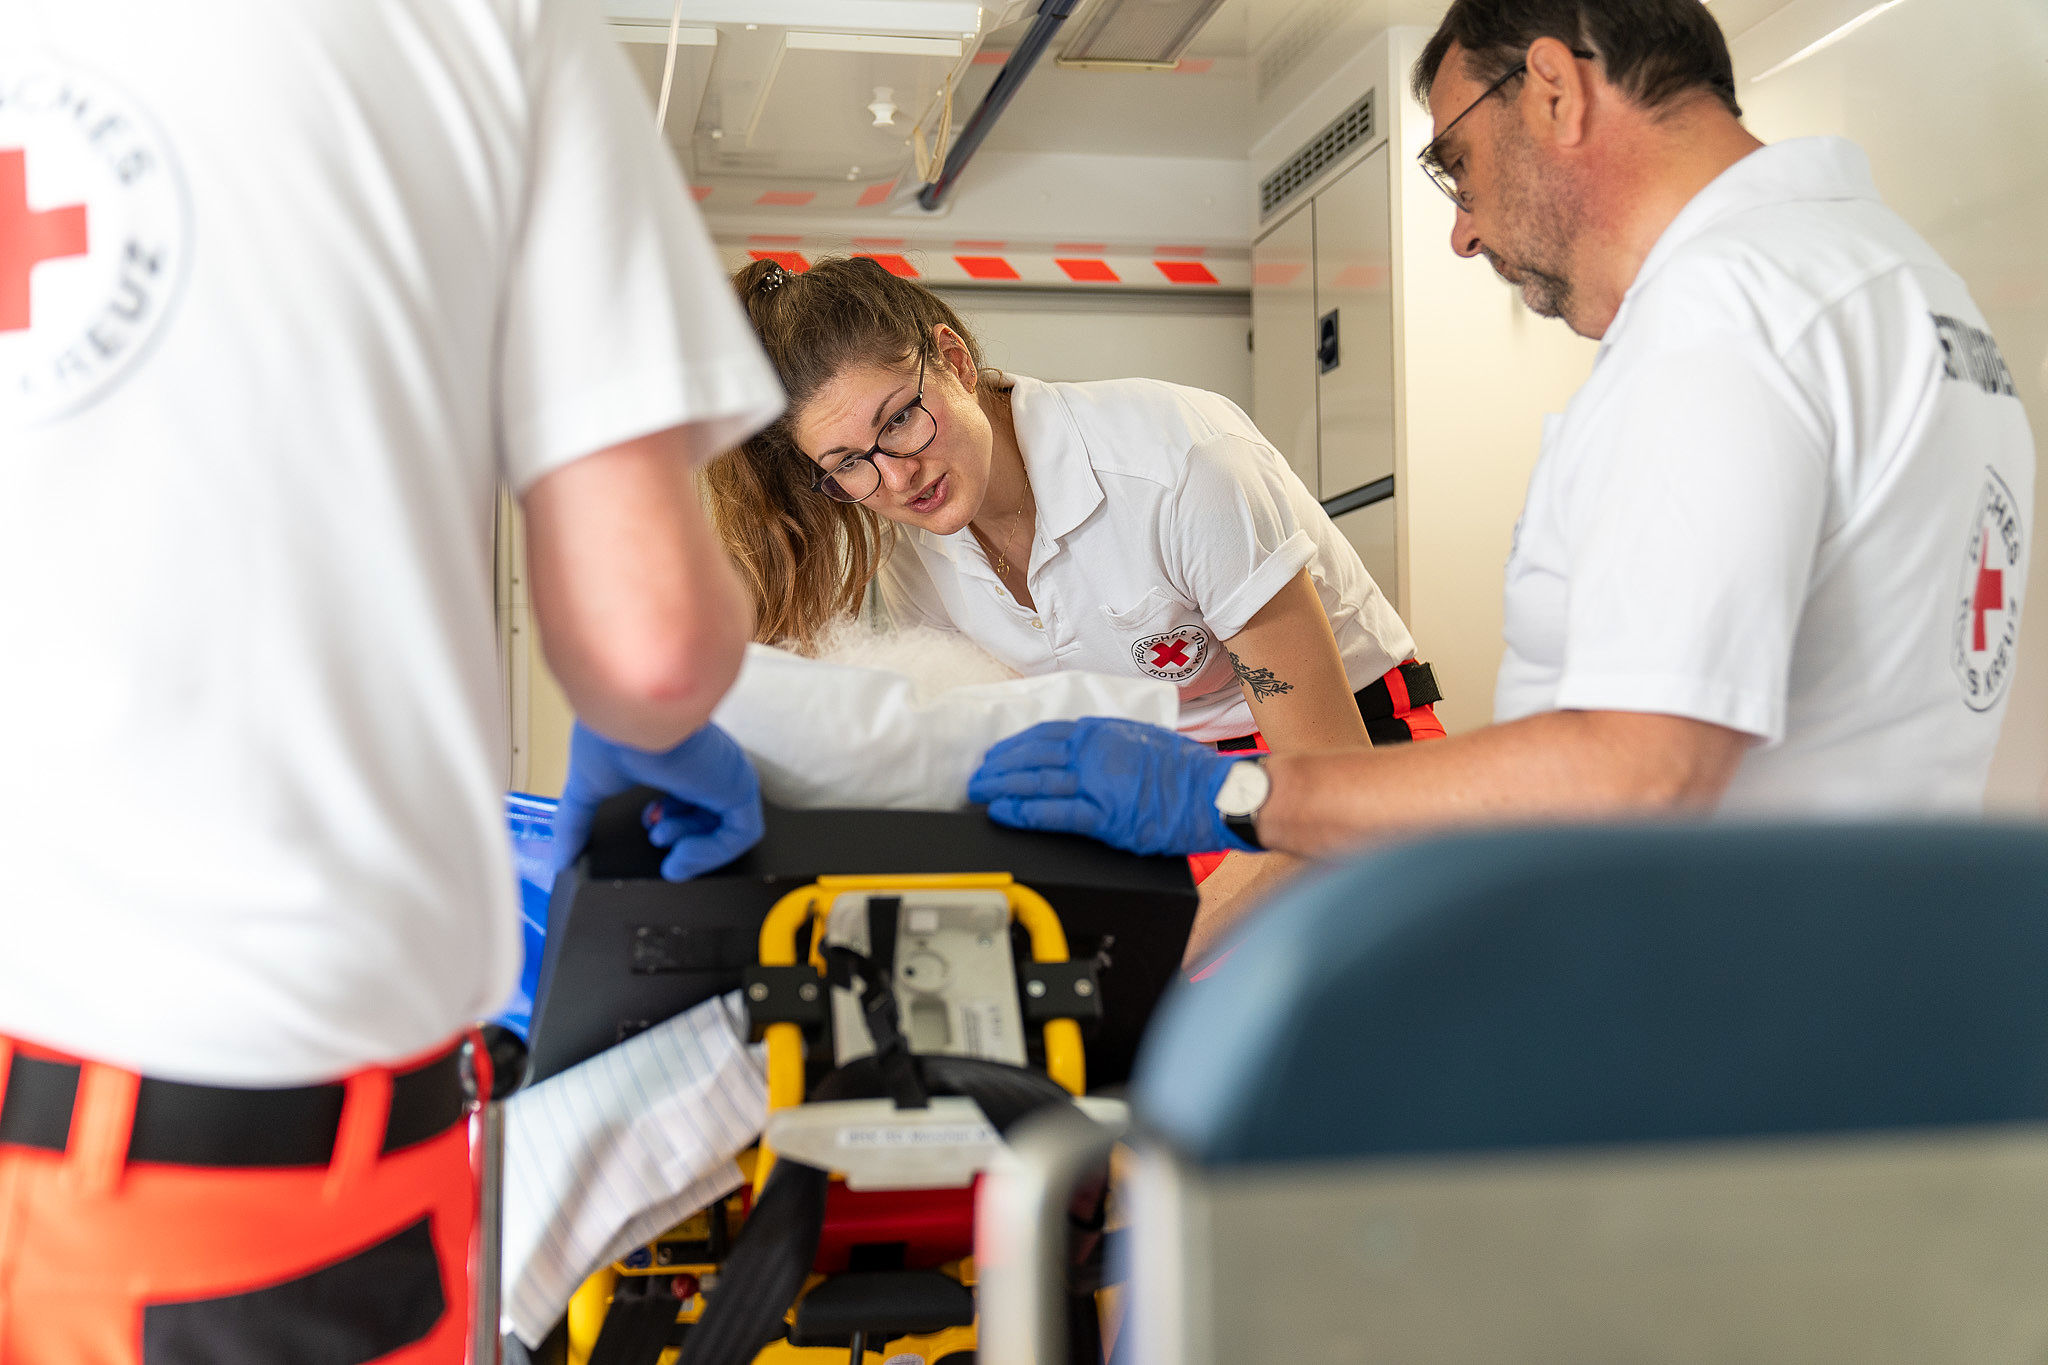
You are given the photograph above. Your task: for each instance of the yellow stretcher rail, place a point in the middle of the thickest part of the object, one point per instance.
(1063, 1057)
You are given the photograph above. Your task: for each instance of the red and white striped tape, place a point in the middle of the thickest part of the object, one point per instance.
(1067, 265)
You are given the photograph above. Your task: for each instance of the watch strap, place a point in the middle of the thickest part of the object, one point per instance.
(1246, 828)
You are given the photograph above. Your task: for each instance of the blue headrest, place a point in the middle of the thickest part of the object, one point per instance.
(1546, 988)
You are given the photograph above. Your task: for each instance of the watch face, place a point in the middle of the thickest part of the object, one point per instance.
(1244, 789)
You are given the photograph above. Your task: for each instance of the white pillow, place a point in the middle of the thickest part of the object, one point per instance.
(894, 732)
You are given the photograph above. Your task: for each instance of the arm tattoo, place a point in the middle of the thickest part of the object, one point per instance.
(1261, 681)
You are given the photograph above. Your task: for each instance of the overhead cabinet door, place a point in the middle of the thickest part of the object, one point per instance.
(1283, 341)
(1354, 289)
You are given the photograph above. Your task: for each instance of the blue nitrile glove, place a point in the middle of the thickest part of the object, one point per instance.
(711, 812)
(1131, 785)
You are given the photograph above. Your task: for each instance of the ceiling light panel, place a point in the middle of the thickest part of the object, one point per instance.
(1136, 33)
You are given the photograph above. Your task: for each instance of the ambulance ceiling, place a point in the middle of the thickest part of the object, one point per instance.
(778, 91)
(770, 109)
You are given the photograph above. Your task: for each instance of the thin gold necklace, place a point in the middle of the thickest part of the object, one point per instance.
(988, 544)
(990, 550)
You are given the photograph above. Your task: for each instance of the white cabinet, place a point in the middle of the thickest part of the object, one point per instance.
(1370, 529)
(1323, 354)
(1283, 328)
(1354, 288)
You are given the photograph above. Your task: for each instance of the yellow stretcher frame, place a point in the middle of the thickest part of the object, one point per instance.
(1064, 1062)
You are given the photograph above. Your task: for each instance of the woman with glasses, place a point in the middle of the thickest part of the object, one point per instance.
(1125, 526)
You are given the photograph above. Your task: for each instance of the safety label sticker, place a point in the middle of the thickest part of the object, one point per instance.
(94, 239)
(868, 1137)
(1174, 656)
(1987, 621)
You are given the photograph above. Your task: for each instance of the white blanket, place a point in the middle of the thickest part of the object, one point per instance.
(824, 733)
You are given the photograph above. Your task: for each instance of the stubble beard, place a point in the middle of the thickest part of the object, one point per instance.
(1538, 248)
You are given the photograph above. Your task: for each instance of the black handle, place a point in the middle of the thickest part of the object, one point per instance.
(508, 1059)
(1326, 342)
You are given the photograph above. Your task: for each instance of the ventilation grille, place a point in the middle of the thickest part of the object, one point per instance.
(1347, 130)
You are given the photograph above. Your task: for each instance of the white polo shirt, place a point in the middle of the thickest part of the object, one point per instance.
(297, 299)
(1792, 499)
(1165, 521)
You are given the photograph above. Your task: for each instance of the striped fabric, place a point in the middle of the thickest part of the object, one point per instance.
(611, 1153)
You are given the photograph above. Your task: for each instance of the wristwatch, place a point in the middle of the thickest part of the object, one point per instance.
(1244, 791)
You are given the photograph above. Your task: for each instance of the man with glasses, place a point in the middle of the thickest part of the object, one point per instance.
(1773, 553)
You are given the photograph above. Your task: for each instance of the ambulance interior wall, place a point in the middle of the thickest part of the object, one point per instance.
(1196, 339)
(1474, 372)
(1948, 99)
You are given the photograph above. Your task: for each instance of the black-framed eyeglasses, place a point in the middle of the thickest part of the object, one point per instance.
(1433, 164)
(907, 432)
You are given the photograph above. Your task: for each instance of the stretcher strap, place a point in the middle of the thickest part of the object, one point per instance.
(765, 1271)
(878, 1012)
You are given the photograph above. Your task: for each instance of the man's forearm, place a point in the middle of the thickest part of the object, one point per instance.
(641, 616)
(1563, 765)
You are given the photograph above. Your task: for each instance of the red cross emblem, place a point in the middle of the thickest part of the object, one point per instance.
(1992, 580)
(28, 238)
(1174, 654)
(110, 211)
(1990, 593)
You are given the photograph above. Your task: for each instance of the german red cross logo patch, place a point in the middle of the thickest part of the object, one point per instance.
(1987, 621)
(1175, 656)
(93, 239)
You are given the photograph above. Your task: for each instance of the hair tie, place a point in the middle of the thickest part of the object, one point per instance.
(772, 280)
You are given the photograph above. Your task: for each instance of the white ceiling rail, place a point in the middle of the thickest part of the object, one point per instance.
(658, 33)
(959, 19)
(893, 44)
(743, 74)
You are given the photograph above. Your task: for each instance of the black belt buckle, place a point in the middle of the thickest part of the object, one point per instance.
(1376, 701)
(1423, 689)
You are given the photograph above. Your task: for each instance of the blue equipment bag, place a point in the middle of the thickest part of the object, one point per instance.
(531, 823)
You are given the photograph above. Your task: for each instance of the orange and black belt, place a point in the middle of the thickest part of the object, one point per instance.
(1395, 707)
(179, 1124)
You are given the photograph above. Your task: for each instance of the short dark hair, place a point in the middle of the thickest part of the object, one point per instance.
(1655, 51)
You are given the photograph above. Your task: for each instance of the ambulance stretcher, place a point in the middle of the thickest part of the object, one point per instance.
(907, 971)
